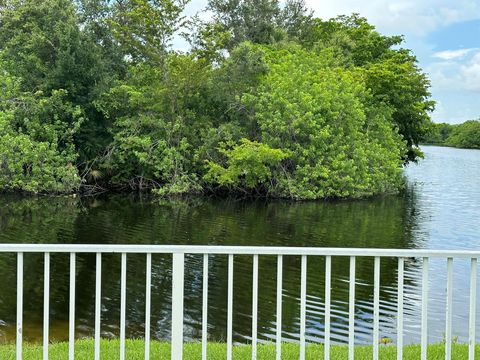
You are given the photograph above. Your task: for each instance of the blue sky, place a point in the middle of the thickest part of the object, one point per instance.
(444, 34)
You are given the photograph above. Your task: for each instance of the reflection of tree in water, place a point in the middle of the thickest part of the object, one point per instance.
(383, 222)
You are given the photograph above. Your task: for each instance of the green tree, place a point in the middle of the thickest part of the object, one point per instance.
(270, 100)
(36, 155)
(398, 82)
(257, 21)
(247, 20)
(157, 125)
(240, 74)
(338, 139)
(35, 158)
(357, 40)
(295, 19)
(438, 133)
(392, 73)
(145, 28)
(466, 135)
(42, 45)
(249, 165)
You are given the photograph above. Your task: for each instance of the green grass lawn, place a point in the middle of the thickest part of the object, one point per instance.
(160, 350)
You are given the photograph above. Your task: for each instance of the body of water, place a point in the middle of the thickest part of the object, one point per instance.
(440, 209)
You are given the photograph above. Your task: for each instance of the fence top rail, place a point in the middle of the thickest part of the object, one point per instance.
(236, 250)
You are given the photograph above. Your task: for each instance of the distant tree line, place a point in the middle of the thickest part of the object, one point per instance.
(465, 135)
(268, 100)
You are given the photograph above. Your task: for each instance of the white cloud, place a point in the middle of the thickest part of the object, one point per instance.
(402, 17)
(453, 115)
(457, 71)
(443, 75)
(194, 6)
(470, 73)
(453, 54)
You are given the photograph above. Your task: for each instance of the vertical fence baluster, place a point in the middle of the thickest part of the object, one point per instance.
(19, 306)
(254, 306)
(178, 306)
(148, 304)
(303, 306)
(71, 304)
(178, 318)
(178, 269)
(424, 325)
(98, 304)
(230, 307)
(123, 295)
(328, 287)
(205, 307)
(376, 307)
(401, 262)
(279, 307)
(46, 303)
(473, 304)
(351, 310)
(449, 312)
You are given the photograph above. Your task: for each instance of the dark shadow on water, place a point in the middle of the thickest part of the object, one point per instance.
(386, 222)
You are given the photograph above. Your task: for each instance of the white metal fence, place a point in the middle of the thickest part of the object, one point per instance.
(178, 255)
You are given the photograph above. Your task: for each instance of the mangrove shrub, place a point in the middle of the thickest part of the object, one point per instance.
(268, 100)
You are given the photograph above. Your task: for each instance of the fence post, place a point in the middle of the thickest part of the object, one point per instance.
(177, 305)
(19, 334)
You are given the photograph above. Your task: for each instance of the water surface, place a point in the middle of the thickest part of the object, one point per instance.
(439, 209)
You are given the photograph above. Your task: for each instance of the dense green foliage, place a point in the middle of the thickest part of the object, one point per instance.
(269, 100)
(465, 135)
(438, 133)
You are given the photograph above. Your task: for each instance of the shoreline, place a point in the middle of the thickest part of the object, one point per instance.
(448, 146)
